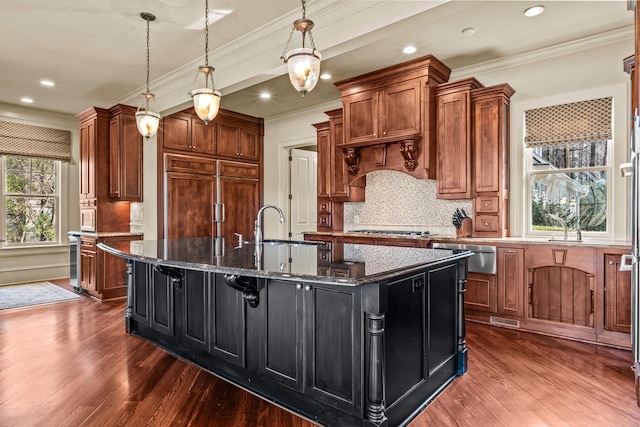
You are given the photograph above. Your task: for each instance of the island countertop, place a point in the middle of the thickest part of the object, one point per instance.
(286, 259)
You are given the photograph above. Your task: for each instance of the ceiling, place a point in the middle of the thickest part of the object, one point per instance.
(95, 51)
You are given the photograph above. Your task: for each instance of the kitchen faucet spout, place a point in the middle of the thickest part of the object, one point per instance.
(561, 221)
(257, 230)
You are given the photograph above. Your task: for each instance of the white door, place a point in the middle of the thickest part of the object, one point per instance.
(303, 176)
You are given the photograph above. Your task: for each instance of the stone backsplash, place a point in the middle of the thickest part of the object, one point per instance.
(397, 201)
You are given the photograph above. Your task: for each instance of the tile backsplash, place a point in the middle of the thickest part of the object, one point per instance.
(398, 201)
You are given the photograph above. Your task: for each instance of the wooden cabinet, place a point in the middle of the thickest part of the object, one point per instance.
(202, 194)
(510, 275)
(237, 137)
(481, 294)
(125, 155)
(394, 105)
(187, 132)
(98, 210)
(617, 295)
(333, 186)
(453, 144)
(103, 275)
(390, 112)
(490, 110)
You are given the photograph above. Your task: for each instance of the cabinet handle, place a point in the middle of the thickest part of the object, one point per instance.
(298, 286)
(511, 251)
(307, 288)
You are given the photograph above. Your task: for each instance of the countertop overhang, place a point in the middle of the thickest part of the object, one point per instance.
(285, 260)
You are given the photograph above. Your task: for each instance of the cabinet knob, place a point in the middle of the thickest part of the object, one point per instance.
(298, 286)
(307, 288)
(610, 262)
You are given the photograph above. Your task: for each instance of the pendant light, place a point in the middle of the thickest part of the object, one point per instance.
(303, 63)
(147, 117)
(206, 100)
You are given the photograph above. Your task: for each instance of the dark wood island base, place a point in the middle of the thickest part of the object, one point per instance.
(371, 350)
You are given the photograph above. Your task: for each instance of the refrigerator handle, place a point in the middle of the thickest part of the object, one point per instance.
(626, 262)
(625, 169)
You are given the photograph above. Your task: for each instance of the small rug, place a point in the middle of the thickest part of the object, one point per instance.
(15, 296)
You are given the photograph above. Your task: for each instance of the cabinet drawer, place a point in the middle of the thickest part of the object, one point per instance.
(487, 223)
(324, 219)
(324, 207)
(87, 245)
(189, 164)
(487, 204)
(239, 170)
(88, 218)
(324, 256)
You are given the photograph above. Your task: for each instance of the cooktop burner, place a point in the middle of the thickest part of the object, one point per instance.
(395, 232)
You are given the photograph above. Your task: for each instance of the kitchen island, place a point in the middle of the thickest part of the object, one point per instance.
(349, 335)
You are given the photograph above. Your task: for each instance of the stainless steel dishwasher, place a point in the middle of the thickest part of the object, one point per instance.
(483, 259)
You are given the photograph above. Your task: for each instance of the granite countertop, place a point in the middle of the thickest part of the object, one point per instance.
(619, 244)
(289, 261)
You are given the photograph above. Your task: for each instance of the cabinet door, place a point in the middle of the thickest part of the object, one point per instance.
(281, 359)
(228, 140)
(125, 157)
(203, 137)
(241, 200)
(229, 327)
(481, 292)
(190, 205)
(332, 329)
(325, 159)
(162, 306)
(487, 141)
(176, 132)
(249, 141)
(511, 281)
(88, 131)
(617, 297)
(88, 264)
(361, 116)
(400, 109)
(454, 146)
(195, 313)
(339, 173)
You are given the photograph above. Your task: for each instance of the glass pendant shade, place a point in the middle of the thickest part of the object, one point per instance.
(304, 68)
(206, 102)
(147, 120)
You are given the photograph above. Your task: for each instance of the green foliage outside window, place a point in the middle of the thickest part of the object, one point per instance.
(30, 199)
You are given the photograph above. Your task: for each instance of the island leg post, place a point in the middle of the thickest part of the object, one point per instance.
(462, 343)
(129, 310)
(375, 305)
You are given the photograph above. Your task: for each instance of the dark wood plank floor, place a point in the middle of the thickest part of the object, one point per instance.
(72, 364)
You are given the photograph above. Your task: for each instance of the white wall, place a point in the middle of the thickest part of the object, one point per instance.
(28, 264)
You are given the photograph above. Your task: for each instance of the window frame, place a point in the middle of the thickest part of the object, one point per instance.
(529, 173)
(59, 200)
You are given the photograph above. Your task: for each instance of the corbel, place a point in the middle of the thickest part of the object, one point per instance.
(351, 156)
(409, 151)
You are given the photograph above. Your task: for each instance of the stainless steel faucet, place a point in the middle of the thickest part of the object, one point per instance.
(257, 230)
(561, 221)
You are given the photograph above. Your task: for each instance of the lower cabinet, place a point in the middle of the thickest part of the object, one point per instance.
(510, 281)
(481, 292)
(102, 275)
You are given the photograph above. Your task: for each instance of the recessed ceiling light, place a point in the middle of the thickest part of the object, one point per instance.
(325, 76)
(409, 49)
(265, 95)
(27, 100)
(533, 11)
(469, 31)
(47, 83)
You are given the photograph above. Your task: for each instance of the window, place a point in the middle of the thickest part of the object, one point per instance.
(30, 199)
(570, 181)
(569, 168)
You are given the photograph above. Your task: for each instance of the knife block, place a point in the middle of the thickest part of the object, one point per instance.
(465, 229)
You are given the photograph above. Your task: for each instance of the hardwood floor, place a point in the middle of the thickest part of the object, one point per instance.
(72, 364)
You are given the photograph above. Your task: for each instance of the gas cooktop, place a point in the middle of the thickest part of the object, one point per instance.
(395, 233)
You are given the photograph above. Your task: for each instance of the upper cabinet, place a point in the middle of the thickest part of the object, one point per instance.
(229, 135)
(392, 105)
(453, 145)
(125, 155)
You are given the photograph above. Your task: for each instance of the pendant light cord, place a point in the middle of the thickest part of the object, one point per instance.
(148, 48)
(206, 33)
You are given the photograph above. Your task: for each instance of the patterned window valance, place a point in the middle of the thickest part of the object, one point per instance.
(586, 121)
(18, 139)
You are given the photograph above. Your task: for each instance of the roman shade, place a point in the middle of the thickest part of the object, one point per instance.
(585, 121)
(18, 139)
